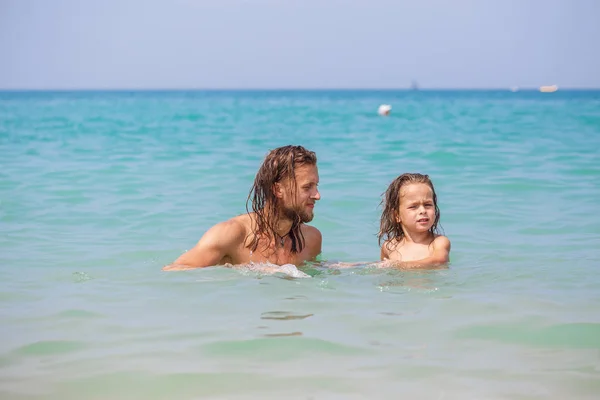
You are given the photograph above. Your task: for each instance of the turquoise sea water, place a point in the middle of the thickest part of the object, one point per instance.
(98, 190)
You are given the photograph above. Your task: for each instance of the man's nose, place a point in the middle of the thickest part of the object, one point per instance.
(317, 195)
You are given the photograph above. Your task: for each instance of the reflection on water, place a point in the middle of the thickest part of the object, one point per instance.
(407, 283)
(298, 297)
(283, 315)
(283, 334)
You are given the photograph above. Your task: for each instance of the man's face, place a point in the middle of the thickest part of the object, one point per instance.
(301, 201)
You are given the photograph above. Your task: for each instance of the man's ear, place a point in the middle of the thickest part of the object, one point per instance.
(278, 190)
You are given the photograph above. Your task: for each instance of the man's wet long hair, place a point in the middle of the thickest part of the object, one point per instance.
(278, 165)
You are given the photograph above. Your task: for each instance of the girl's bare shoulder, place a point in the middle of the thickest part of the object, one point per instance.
(441, 241)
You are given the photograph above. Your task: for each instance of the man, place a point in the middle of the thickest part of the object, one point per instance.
(282, 199)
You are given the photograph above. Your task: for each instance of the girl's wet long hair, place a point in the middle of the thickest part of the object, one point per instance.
(389, 228)
(278, 165)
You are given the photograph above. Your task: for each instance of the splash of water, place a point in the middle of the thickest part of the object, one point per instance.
(270, 269)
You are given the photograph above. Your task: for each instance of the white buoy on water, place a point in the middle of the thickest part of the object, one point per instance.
(384, 109)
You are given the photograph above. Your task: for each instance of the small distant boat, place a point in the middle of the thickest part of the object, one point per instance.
(514, 89)
(548, 89)
(414, 85)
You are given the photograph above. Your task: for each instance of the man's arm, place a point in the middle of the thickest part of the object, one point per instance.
(216, 243)
(439, 258)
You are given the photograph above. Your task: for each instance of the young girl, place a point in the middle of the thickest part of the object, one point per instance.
(408, 225)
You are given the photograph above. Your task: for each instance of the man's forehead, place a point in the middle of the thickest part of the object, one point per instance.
(307, 173)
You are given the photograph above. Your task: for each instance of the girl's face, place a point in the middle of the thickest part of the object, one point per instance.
(416, 213)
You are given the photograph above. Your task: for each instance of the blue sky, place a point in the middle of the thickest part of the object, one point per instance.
(69, 44)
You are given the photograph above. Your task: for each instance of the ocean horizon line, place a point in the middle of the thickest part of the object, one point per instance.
(293, 89)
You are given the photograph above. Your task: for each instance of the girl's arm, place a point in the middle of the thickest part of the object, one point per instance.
(439, 258)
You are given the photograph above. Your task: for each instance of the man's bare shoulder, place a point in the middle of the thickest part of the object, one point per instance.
(219, 243)
(311, 233)
(234, 229)
(313, 240)
(224, 234)
(223, 237)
